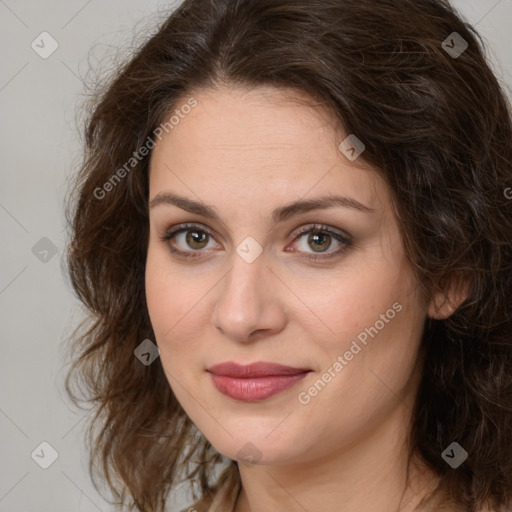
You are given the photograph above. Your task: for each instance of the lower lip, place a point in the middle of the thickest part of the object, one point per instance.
(256, 388)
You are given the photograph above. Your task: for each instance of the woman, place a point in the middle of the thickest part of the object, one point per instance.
(292, 230)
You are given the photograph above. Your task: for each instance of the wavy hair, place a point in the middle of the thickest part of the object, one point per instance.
(437, 127)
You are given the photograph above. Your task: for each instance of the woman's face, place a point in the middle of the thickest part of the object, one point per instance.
(251, 290)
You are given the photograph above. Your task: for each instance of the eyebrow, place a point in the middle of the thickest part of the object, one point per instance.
(280, 214)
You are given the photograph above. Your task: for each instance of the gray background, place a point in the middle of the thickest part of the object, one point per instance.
(40, 149)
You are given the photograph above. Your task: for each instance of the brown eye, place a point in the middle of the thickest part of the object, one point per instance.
(195, 239)
(187, 240)
(319, 241)
(321, 238)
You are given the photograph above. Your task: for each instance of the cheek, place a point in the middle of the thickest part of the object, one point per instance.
(371, 373)
(355, 298)
(377, 352)
(165, 297)
(157, 299)
(176, 307)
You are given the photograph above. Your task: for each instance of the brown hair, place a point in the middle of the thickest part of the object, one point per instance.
(436, 126)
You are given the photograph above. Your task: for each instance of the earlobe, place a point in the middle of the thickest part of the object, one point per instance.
(445, 302)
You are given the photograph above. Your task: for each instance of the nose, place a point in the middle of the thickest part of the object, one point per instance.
(248, 305)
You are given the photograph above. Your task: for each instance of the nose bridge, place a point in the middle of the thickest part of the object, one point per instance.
(248, 268)
(243, 304)
(242, 290)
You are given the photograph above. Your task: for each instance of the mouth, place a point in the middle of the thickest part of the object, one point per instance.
(256, 381)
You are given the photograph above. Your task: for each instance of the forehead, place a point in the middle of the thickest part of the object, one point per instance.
(261, 141)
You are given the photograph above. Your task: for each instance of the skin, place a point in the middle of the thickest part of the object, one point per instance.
(246, 152)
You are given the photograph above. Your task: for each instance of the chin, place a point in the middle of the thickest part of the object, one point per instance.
(254, 445)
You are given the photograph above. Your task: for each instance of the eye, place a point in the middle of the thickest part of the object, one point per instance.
(190, 236)
(193, 238)
(320, 238)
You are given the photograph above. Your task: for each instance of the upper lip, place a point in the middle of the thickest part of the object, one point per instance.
(258, 369)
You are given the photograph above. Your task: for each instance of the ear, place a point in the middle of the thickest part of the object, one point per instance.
(446, 300)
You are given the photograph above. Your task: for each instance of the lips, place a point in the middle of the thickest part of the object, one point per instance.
(256, 381)
(260, 369)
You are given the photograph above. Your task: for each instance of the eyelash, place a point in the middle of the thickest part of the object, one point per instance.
(317, 228)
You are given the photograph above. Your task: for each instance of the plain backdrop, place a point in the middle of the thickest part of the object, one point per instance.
(40, 150)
